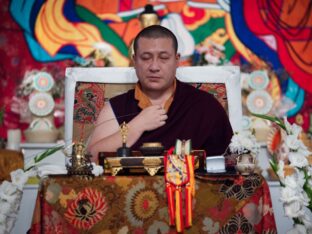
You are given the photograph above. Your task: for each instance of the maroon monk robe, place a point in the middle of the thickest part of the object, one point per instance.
(193, 114)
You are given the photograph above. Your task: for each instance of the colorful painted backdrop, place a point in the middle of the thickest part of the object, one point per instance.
(256, 34)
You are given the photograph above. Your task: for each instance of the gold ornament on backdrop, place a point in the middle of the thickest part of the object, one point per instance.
(148, 17)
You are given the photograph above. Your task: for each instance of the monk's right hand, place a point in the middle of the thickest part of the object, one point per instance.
(151, 118)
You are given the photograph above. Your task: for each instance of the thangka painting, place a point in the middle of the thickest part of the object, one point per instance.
(257, 35)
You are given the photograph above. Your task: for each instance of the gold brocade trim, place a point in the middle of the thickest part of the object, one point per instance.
(151, 161)
(115, 162)
(115, 170)
(152, 170)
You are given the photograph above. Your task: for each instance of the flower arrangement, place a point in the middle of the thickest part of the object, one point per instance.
(11, 192)
(296, 192)
(10, 197)
(244, 142)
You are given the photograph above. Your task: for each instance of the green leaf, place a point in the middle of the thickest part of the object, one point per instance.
(44, 155)
(47, 153)
(274, 166)
(29, 168)
(273, 119)
(306, 187)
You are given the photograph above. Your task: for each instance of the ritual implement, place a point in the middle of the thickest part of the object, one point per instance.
(179, 177)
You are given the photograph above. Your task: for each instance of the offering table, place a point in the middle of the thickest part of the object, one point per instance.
(138, 204)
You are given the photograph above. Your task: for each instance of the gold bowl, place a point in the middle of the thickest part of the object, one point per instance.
(152, 149)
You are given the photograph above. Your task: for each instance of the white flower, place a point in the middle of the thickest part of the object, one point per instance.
(296, 159)
(280, 170)
(242, 141)
(19, 178)
(10, 223)
(300, 179)
(293, 209)
(291, 182)
(5, 207)
(295, 188)
(11, 194)
(235, 145)
(97, 170)
(16, 201)
(298, 229)
(3, 228)
(304, 150)
(10, 198)
(306, 219)
(2, 217)
(7, 190)
(293, 129)
(288, 195)
(293, 142)
(304, 198)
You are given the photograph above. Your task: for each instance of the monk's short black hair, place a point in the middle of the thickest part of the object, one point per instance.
(156, 31)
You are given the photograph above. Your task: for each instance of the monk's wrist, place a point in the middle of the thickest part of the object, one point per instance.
(136, 127)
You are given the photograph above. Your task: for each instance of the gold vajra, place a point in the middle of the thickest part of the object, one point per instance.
(124, 132)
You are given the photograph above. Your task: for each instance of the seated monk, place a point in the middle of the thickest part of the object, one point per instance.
(161, 108)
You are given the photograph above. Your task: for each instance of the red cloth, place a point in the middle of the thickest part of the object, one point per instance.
(137, 204)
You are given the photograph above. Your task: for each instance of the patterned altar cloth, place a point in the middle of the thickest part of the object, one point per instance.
(138, 204)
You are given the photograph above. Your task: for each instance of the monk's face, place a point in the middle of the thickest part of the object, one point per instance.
(155, 62)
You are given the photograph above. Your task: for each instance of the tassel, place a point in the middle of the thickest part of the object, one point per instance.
(175, 184)
(188, 206)
(178, 211)
(171, 211)
(190, 162)
(189, 190)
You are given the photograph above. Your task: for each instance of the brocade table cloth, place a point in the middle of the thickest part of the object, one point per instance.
(138, 204)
